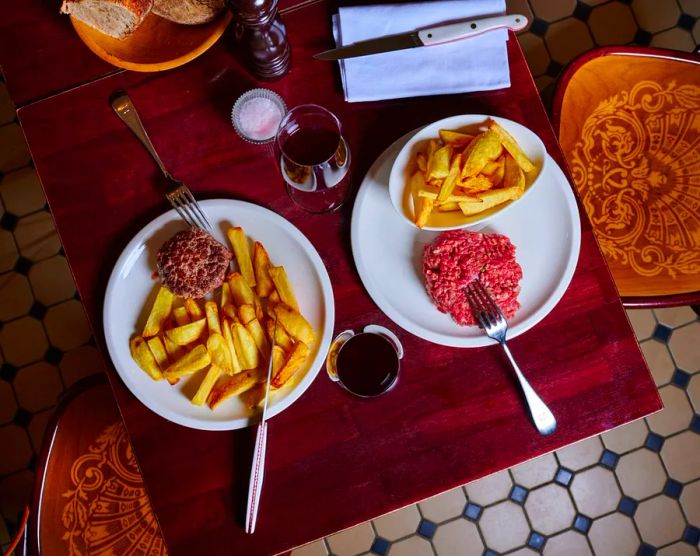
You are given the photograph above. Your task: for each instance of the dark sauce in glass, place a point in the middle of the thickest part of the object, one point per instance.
(367, 364)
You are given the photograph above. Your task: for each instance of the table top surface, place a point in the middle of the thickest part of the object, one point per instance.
(332, 460)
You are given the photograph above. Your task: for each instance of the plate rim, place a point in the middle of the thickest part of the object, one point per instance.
(217, 31)
(438, 338)
(298, 390)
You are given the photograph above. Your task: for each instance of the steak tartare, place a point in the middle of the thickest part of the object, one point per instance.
(192, 263)
(457, 257)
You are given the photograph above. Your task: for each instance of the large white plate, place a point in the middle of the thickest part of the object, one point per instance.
(388, 250)
(131, 289)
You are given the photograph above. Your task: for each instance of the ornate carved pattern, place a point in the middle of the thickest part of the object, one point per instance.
(107, 510)
(637, 167)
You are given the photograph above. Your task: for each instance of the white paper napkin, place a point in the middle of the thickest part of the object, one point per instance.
(476, 64)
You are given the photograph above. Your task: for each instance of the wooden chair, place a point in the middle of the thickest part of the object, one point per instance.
(89, 497)
(628, 120)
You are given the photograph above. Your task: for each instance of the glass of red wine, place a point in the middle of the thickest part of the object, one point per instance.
(365, 364)
(313, 157)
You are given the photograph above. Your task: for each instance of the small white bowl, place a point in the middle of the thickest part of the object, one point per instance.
(404, 165)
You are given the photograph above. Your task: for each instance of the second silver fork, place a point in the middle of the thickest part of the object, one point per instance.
(177, 193)
(494, 323)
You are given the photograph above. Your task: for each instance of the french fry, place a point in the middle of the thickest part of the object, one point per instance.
(253, 326)
(241, 292)
(212, 312)
(190, 363)
(181, 315)
(475, 184)
(490, 199)
(186, 334)
(424, 210)
(246, 313)
(254, 397)
(225, 294)
(278, 359)
(240, 248)
(449, 206)
(451, 198)
(451, 180)
(274, 297)
(284, 286)
(484, 148)
(228, 337)
(292, 365)
(144, 358)
(246, 349)
(157, 348)
(193, 309)
(261, 265)
(219, 352)
(511, 146)
(174, 353)
(513, 175)
(422, 162)
(232, 386)
(281, 338)
(159, 312)
(230, 312)
(439, 163)
(450, 136)
(206, 385)
(294, 323)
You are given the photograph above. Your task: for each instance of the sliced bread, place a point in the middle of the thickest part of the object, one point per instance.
(116, 18)
(188, 12)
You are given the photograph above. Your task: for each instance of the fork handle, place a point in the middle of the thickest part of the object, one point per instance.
(124, 108)
(541, 415)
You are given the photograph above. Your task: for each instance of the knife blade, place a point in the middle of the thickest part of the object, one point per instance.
(430, 36)
(257, 470)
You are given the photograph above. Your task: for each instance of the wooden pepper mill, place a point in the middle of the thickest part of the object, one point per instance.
(262, 37)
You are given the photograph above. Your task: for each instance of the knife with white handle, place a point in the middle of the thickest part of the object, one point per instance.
(430, 36)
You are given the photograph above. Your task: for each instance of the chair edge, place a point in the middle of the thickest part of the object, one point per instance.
(32, 545)
(583, 59)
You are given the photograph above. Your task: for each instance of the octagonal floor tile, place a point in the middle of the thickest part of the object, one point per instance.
(641, 474)
(23, 341)
(659, 520)
(569, 543)
(504, 526)
(681, 455)
(550, 509)
(581, 454)
(642, 321)
(458, 537)
(614, 534)
(536, 471)
(595, 491)
(685, 347)
(627, 437)
(490, 489)
(398, 524)
(67, 325)
(444, 506)
(676, 414)
(352, 541)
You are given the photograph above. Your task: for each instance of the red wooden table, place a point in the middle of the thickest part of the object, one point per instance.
(333, 460)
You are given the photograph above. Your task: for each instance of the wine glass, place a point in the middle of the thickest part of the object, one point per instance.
(313, 157)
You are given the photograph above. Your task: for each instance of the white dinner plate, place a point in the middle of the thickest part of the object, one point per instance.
(131, 290)
(388, 250)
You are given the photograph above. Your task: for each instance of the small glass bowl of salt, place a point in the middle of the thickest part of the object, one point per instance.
(257, 115)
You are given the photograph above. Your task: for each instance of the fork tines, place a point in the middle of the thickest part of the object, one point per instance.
(485, 309)
(187, 207)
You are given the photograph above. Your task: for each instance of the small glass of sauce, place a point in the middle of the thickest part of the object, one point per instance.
(365, 364)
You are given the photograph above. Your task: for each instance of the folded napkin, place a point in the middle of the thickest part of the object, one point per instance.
(475, 64)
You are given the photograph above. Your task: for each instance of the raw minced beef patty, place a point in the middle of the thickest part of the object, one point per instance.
(457, 257)
(192, 263)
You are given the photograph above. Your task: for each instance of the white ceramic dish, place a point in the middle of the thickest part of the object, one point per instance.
(544, 227)
(403, 166)
(131, 289)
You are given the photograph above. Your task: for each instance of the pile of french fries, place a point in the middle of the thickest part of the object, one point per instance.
(468, 173)
(229, 343)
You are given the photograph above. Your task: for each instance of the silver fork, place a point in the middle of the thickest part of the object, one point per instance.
(177, 193)
(494, 324)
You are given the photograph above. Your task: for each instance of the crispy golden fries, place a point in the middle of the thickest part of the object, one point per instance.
(467, 173)
(159, 312)
(240, 248)
(144, 358)
(190, 363)
(186, 334)
(261, 265)
(283, 286)
(291, 366)
(230, 342)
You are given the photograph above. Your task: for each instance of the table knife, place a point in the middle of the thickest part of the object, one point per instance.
(429, 36)
(257, 471)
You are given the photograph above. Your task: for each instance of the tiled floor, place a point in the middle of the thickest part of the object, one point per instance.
(635, 490)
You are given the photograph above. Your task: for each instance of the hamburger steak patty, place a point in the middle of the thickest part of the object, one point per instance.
(457, 257)
(192, 263)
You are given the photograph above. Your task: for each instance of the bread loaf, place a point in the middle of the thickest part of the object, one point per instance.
(116, 18)
(188, 12)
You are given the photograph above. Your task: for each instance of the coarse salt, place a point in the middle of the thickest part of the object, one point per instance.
(259, 118)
